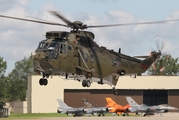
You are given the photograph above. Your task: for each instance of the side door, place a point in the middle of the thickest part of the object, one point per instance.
(62, 54)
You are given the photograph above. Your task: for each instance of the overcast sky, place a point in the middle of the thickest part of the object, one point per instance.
(19, 39)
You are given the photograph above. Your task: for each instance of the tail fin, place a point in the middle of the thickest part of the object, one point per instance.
(62, 104)
(131, 101)
(87, 104)
(110, 102)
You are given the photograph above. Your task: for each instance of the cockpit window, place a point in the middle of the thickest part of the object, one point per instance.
(52, 45)
(45, 46)
(41, 44)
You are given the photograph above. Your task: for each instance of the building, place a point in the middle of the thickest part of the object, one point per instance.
(150, 90)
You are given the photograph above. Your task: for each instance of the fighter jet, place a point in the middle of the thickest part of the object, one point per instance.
(65, 109)
(113, 107)
(147, 110)
(167, 108)
(87, 104)
(92, 110)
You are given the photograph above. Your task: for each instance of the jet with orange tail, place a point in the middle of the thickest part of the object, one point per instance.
(113, 107)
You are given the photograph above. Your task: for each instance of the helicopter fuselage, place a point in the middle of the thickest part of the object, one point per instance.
(74, 53)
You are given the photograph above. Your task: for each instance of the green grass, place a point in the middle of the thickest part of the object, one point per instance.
(33, 115)
(40, 115)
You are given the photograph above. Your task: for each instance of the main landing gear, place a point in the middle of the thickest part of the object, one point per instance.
(86, 83)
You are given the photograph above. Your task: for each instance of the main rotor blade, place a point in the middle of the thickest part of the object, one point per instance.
(163, 44)
(126, 24)
(61, 17)
(36, 21)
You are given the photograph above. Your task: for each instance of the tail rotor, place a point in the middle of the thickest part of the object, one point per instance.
(160, 43)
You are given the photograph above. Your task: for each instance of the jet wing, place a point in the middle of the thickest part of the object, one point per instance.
(133, 109)
(88, 111)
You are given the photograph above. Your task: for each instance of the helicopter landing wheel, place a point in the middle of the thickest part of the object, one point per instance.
(86, 83)
(43, 81)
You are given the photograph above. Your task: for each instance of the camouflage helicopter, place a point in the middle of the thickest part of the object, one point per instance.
(76, 55)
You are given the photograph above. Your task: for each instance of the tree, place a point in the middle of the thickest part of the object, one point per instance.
(171, 66)
(3, 67)
(3, 83)
(18, 79)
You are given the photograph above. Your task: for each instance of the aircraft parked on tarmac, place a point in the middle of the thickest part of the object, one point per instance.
(65, 109)
(167, 108)
(116, 108)
(147, 110)
(92, 110)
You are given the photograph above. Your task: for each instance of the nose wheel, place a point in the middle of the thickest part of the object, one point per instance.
(43, 81)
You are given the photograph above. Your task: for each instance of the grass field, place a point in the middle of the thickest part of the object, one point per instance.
(29, 116)
(34, 116)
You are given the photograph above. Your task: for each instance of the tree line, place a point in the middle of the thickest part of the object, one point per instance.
(13, 86)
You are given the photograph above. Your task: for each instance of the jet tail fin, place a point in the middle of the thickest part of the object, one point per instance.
(110, 102)
(62, 104)
(131, 101)
(87, 104)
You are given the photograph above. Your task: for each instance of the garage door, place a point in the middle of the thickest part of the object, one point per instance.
(155, 97)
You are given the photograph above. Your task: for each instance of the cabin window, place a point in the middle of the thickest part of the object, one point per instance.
(85, 56)
(116, 62)
(69, 48)
(62, 49)
(92, 58)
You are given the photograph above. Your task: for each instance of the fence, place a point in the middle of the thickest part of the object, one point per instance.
(4, 112)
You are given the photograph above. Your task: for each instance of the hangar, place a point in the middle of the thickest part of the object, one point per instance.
(150, 90)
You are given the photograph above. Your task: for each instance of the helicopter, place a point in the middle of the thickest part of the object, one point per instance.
(75, 55)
